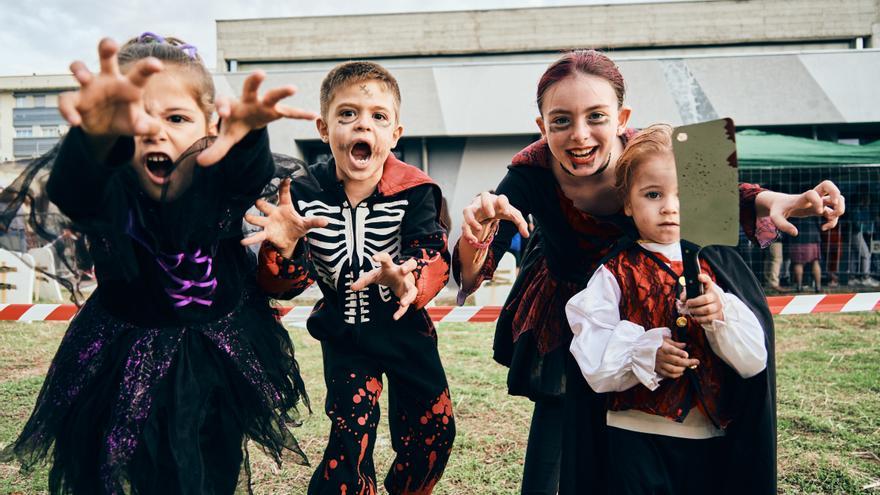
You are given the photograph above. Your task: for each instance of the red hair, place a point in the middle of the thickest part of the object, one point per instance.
(650, 141)
(590, 62)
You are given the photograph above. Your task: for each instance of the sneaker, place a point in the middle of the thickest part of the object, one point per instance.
(870, 282)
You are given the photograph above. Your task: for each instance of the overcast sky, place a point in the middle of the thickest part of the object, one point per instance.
(44, 36)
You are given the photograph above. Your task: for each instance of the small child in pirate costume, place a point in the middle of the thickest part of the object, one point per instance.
(690, 396)
(367, 228)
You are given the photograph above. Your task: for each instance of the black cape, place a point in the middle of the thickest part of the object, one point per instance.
(750, 438)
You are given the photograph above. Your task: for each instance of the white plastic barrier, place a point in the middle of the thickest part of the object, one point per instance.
(16, 278)
(47, 288)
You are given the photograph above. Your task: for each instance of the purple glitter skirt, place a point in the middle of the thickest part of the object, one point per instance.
(132, 409)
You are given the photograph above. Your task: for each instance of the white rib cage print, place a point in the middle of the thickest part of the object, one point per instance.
(353, 234)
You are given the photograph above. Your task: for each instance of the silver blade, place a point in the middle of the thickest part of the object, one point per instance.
(708, 190)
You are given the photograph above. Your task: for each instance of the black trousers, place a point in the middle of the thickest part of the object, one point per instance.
(583, 469)
(642, 463)
(544, 450)
(420, 412)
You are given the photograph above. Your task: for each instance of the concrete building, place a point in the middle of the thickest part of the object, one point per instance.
(29, 120)
(468, 79)
(804, 67)
(675, 27)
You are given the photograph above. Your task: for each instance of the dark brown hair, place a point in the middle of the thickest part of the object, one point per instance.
(354, 72)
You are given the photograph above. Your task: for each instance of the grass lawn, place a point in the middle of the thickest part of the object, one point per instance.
(828, 392)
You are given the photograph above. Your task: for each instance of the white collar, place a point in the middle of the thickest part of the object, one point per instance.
(672, 251)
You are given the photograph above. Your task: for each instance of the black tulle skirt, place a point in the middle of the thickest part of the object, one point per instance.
(128, 409)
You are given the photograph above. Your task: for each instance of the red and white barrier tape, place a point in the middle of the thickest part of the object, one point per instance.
(779, 305)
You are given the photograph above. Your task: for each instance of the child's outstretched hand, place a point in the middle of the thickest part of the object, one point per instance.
(488, 206)
(398, 277)
(239, 117)
(706, 307)
(282, 226)
(109, 104)
(672, 359)
(823, 200)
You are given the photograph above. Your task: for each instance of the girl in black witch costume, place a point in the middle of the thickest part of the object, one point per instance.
(688, 382)
(176, 359)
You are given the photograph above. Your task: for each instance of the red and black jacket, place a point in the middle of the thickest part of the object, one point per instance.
(402, 218)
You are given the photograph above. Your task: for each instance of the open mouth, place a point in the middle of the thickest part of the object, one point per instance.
(361, 152)
(582, 156)
(159, 166)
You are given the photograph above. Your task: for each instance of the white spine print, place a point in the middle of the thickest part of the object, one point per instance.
(354, 234)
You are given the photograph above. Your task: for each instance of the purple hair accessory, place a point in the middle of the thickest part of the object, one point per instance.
(149, 37)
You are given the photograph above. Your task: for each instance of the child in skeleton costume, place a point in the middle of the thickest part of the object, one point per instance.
(176, 359)
(690, 394)
(367, 228)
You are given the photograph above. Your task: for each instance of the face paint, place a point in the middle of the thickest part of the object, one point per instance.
(362, 132)
(580, 120)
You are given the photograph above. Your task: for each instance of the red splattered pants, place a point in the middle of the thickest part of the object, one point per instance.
(419, 411)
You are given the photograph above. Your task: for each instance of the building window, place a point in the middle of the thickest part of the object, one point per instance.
(39, 101)
(20, 101)
(24, 132)
(51, 131)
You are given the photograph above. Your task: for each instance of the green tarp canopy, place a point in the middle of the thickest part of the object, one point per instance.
(757, 149)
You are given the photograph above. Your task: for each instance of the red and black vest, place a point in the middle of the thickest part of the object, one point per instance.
(649, 291)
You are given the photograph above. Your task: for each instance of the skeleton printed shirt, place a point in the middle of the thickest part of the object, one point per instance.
(400, 218)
